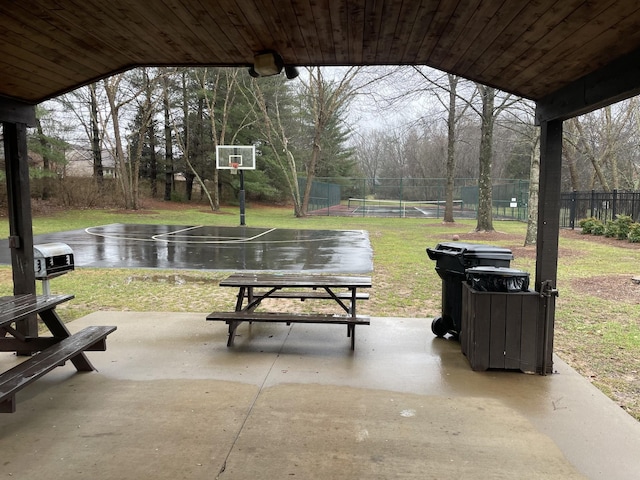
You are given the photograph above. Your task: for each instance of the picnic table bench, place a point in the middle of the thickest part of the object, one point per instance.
(343, 290)
(50, 352)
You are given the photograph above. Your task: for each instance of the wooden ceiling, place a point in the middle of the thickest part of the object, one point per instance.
(529, 47)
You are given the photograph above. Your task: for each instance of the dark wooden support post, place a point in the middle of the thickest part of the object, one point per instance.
(548, 235)
(20, 227)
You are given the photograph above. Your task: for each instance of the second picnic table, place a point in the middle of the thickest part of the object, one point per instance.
(344, 290)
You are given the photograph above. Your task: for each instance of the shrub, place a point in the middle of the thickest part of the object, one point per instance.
(611, 229)
(598, 228)
(624, 226)
(619, 228)
(83, 192)
(634, 233)
(587, 224)
(592, 225)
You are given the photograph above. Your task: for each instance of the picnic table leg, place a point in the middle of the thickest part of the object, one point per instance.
(233, 325)
(353, 302)
(58, 329)
(240, 298)
(353, 337)
(351, 328)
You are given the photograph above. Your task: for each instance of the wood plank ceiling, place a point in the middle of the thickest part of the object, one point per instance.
(531, 48)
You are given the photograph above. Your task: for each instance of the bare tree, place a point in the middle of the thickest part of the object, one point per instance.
(370, 155)
(488, 115)
(184, 140)
(274, 132)
(524, 137)
(600, 137)
(454, 115)
(120, 93)
(111, 87)
(221, 94)
(326, 99)
(88, 108)
(485, 190)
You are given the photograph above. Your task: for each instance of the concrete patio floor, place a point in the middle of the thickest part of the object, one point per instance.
(171, 401)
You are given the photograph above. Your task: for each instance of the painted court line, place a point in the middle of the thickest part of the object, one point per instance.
(174, 237)
(230, 240)
(189, 238)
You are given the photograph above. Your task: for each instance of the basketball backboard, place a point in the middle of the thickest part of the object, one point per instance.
(236, 157)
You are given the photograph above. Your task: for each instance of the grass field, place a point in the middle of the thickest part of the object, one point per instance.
(598, 311)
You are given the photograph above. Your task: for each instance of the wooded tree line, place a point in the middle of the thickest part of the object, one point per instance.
(158, 122)
(398, 122)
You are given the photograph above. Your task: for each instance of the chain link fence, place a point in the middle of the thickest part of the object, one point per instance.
(413, 197)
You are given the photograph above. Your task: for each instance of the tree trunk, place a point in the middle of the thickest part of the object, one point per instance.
(188, 185)
(46, 163)
(485, 191)
(451, 162)
(98, 171)
(153, 173)
(570, 154)
(311, 171)
(534, 188)
(168, 144)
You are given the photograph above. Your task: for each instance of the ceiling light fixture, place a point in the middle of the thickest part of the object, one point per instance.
(269, 63)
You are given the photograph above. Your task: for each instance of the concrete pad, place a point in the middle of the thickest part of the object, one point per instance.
(92, 426)
(324, 431)
(170, 400)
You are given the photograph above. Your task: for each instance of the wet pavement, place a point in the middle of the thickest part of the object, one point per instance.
(209, 247)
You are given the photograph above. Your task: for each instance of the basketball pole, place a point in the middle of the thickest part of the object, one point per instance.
(241, 197)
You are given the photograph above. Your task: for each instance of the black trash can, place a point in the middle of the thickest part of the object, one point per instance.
(452, 261)
(497, 279)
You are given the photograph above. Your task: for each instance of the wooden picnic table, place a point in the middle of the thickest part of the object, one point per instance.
(254, 288)
(47, 352)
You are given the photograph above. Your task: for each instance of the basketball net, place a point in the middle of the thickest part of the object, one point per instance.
(234, 168)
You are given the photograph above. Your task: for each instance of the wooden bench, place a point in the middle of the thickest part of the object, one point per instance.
(294, 286)
(234, 319)
(15, 379)
(50, 352)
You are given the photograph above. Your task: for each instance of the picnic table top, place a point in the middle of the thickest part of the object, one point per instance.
(18, 307)
(295, 280)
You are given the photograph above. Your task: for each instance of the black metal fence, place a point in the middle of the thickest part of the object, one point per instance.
(605, 206)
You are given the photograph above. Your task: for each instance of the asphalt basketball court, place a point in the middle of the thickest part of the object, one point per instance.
(209, 247)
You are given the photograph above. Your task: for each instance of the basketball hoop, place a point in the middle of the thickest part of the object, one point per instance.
(234, 168)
